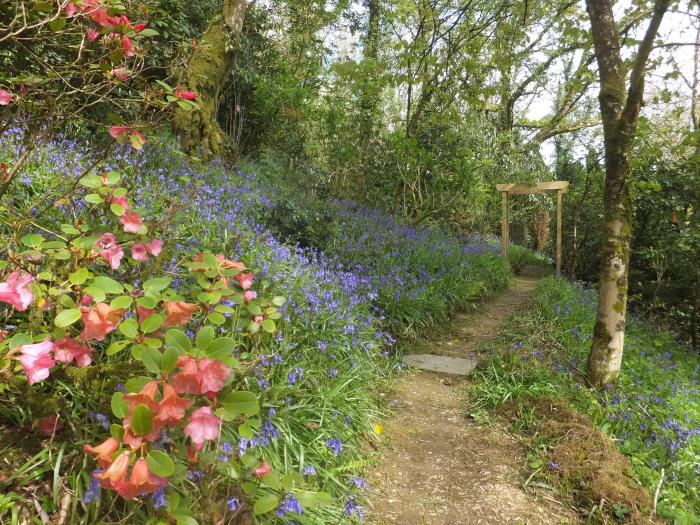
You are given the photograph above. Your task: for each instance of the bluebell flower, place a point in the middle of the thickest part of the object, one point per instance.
(158, 498)
(358, 482)
(93, 490)
(334, 445)
(233, 504)
(289, 504)
(309, 470)
(352, 507)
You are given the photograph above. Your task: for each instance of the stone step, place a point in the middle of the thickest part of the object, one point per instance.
(438, 363)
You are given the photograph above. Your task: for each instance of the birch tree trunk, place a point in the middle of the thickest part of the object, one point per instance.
(619, 108)
(208, 68)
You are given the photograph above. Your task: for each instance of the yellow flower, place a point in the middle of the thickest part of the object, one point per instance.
(378, 428)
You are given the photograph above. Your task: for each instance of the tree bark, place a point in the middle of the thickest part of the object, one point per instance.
(619, 108)
(208, 68)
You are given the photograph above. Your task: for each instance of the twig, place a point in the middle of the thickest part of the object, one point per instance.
(658, 491)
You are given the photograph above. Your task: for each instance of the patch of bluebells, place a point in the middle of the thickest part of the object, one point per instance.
(653, 412)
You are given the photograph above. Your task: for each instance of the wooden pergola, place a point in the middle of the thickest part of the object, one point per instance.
(558, 186)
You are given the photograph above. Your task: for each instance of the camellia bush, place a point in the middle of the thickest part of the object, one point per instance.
(94, 288)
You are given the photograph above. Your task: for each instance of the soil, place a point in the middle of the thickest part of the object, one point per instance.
(441, 468)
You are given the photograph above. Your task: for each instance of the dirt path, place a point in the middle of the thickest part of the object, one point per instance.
(442, 468)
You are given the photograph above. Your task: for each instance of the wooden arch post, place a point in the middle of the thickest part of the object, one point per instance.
(558, 186)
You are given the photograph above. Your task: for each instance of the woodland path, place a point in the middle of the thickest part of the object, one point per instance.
(440, 467)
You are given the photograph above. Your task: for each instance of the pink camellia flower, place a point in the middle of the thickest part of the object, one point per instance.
(127, 47)
(71, 10)
(37, 361)
(132, 222)
(92, 35)
(118, 131)
(99, 322)
(116, 473)
(49, 425)
(140, 27)
(263, 469)
(5, 97)
(122, 202)
(185, 95)
(138, 252)
(212, 375)
(203, 426)
(179, 313)
(245, 280)
(187, 381)
(68, 350)
(143, 313)
(106, 240)
(142, 481)
(171, 410)
(113, 256)
(122, 73)
(206, 376)
(154, 247)
(249, 295)
(103, 452)
(16, 291)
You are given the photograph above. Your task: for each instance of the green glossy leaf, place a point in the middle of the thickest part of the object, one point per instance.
(169, 359)
(221, 347)
(129, 328)
(107, 284)
(136, 384)
(119, 407)
(239, 404)
(279, 300)
(152, 323)
(265, 504)
(117, 209)
(146, 302)
(91, 181)
(150, 357)
(269, 326)
(116, 431)
(67, 317)
(141, 420)
(177, 339)
(33, 240)
(204, 337)
(157, 284)
(216, 318)
(116, 347)
(94, 198)
(57, 24)
(123, 301)
(160, 463)
(79, 276)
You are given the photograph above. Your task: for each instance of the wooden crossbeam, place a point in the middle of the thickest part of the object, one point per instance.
(555, 186)
(538, 187)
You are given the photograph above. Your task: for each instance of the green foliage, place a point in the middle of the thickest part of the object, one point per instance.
(652, 413)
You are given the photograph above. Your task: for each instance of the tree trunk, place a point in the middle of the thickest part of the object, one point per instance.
(208, 69)
(619, 108)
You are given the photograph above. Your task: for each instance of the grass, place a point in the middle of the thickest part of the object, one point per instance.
(652, 413)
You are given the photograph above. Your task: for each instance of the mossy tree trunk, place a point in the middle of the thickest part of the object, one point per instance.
(208, 69)
(619, 108)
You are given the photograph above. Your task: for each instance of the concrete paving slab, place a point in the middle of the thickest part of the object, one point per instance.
(439, 363)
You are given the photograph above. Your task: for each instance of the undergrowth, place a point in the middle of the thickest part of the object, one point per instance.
(652, 413)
